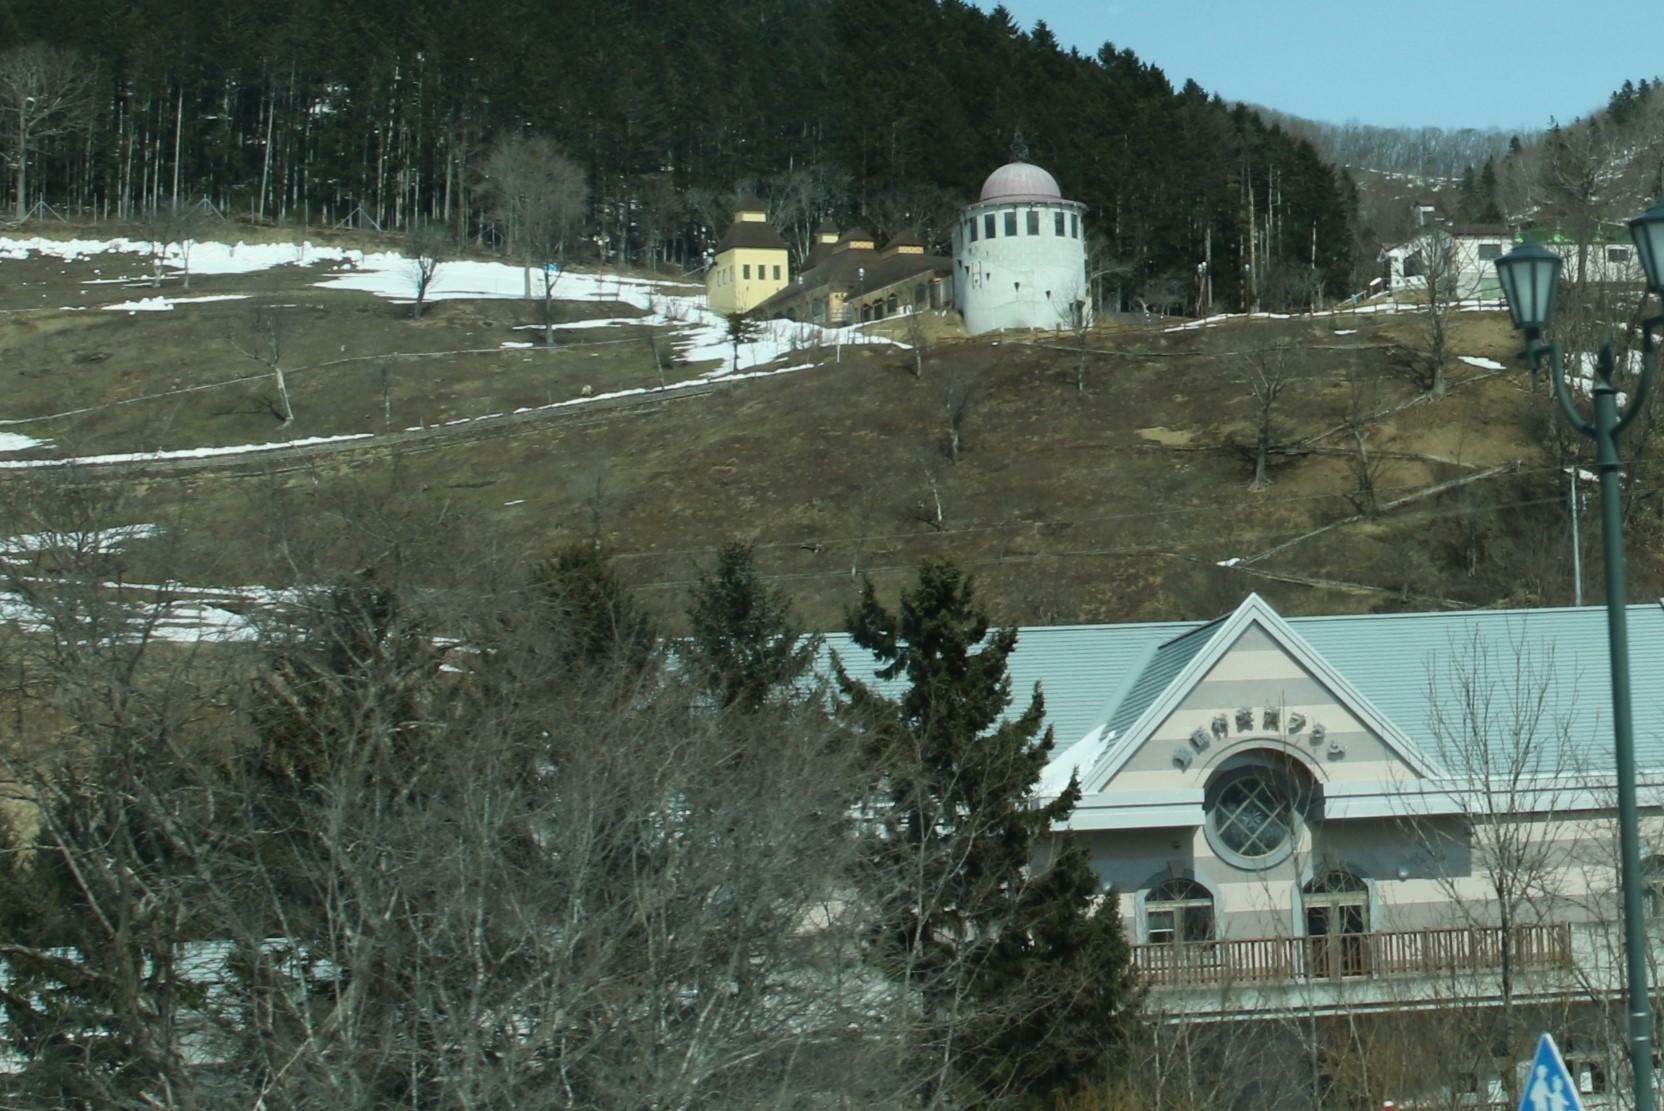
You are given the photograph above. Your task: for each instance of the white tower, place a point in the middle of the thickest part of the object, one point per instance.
(1020, 254)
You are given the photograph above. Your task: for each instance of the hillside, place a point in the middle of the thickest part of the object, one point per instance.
(1124, 500)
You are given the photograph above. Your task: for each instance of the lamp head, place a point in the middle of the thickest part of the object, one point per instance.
(1530, 276)
(1647, 229)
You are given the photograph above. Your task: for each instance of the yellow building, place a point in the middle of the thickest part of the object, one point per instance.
(751, 264)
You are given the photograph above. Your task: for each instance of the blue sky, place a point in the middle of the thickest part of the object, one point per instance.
(1390, 62)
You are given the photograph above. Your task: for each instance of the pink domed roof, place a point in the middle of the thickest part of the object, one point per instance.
(1020, 181)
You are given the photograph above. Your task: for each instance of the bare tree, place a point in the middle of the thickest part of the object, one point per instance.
(262, 336)
(959, 396)
(426, 247)
(1366, 468)
(1264, 372)
(1503, 858)
(165, 225)
(1439, 262)
(802, 197)
(45, 93)
(539, 196)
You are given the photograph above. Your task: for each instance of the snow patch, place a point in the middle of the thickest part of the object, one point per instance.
(165, 304)
(184, 453)
(1481, 362)
(16, 441)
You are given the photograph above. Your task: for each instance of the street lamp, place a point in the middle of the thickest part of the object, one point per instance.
(1530, 276)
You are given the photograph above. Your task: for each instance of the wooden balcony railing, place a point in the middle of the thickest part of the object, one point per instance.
(1347, 956)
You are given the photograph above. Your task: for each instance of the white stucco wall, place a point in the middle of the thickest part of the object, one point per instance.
(1026, 280)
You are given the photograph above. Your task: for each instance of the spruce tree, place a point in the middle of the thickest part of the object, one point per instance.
(745, 646)
(970, 915)
(595, 626)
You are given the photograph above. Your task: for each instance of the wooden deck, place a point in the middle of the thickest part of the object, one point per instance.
(1428, 953)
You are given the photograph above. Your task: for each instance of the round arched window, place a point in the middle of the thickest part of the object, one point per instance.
(1253, 815)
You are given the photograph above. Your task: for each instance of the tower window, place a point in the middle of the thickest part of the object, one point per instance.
(1010, 221)
(1057, 223)
(1074, 225)
(776, 273)
(745, 271)
(1033, 222)
(988, 226)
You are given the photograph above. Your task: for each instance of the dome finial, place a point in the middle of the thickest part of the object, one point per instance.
(1019, 149)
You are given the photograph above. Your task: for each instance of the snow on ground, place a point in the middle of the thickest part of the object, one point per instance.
(702, 335)
(106, 540)
(1478, 304)
(206, 257)
(182, 453)
(16, 441)
(165, 304)
(1480, 362)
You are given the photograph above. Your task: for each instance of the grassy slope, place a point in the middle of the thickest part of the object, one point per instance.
(1112, 504)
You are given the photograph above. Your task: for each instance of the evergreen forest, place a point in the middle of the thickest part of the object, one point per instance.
(886, 113)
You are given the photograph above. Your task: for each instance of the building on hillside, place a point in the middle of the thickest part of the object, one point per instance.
(1019, 254)
(1469, 252)
(1307, 822)
(751, 263)
(849, 281)
(1604, 255)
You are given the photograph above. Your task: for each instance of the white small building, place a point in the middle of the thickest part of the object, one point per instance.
(1464, 255)
(1019, 254)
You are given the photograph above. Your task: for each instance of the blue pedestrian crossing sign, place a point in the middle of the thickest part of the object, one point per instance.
(1548, 1084)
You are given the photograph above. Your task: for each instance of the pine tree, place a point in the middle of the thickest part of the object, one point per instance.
(745, 648)
(595, 626)
(969, 913)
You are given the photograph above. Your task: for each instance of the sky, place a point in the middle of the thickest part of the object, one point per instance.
(1397, 63)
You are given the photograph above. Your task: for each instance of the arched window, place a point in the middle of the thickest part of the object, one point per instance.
(1178, 910)
(890, 304)
(1337, 924)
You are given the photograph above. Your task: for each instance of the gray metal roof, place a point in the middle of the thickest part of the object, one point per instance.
(1093, 675)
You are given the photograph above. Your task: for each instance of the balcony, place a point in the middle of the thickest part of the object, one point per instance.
(1351, 970)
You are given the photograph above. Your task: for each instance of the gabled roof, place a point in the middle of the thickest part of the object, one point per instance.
(1178, 665)
(1393, 664)
(751, 234)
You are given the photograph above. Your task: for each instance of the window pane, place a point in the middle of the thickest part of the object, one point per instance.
(1159, 925)
(1074, 225)
(1057, 223)
(988, 225)
(1198, 924)
(745, 271)
(1010, 221)
(776, 273)
(972, 224)
(1033, 222)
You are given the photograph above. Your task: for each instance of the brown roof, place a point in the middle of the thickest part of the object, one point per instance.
(904, 239)
(750, 202)
(856, 270)
(750, 233)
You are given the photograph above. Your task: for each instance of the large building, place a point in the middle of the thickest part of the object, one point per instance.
(1314, 824)
(751, 263)
(849, 280)
(1020, 254)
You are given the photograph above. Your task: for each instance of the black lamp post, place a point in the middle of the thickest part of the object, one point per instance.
(1530, 278)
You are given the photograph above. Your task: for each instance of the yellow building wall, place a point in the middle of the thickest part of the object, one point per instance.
(729, 290)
